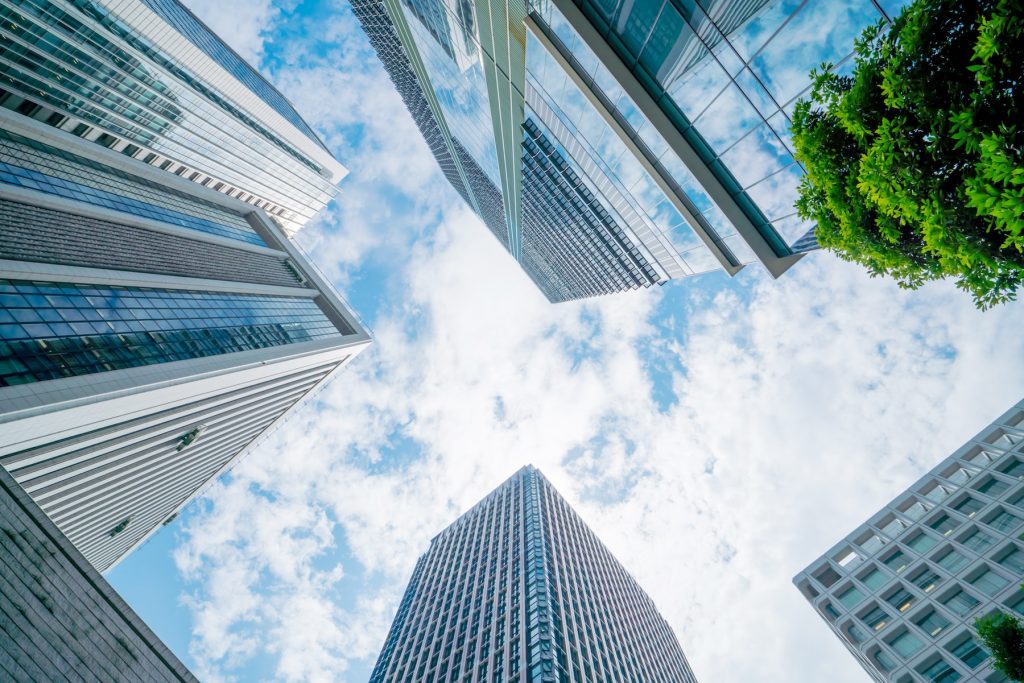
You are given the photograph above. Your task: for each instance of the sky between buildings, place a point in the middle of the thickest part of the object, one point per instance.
(717, 434)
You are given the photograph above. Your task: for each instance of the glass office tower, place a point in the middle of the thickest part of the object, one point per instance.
(152, 327)
(616, 144)
(147, 79)
(903, 590)
(520, 589)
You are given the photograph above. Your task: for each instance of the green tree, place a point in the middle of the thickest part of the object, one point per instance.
(1003, 635)
(915, 161)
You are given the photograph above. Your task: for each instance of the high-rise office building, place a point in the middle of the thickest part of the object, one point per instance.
(151, 328)
(615, 145)
(147, 79)
(903, 590)
(520, 589)
(60, 619)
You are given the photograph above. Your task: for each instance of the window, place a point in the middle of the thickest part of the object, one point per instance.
(854, 634)
(874, 579)
(969, 506)
(1014, 561)
(993, 487)
(988, 582)
(1003, 521)
(931, 622)
(925, 579)
(850, 598)
(977, 540)
(951, 561)
(901, 599)
(875, 618)
(944, 524)
(969, 652)
(922, 543)
(882, 661)
(906, 644)
(960, 602)
(1013, 467)
(826, 576)
(896, 561)
(939, 672)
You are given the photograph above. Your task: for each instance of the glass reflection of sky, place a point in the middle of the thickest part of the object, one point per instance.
(735, 69)
(461, 92)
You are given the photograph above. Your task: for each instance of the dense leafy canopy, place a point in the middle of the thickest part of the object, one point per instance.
(915, 161)
(1003, 635)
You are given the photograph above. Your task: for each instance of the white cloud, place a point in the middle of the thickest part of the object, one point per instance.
(803, 405)
(245, 25)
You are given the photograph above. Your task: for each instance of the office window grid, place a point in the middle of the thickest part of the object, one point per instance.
(33, 165)
(903, 591)
(53, 330)
(519, 589)
(571, 229)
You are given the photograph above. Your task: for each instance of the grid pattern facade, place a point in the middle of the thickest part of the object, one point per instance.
(51, 330)
(35, 233)
(573, 233)
(37, 166)
(95, 73)
(902, 591)
(520, 589)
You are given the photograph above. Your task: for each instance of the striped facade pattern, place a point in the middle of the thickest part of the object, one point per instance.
(94, 482)
(903, 590)
(61, 620)
(520, 589)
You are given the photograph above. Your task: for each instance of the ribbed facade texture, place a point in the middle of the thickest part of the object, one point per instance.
(902, 591)
(151, 328)
(664, 148)
(61, 620)
(520, 589)
(147, 79)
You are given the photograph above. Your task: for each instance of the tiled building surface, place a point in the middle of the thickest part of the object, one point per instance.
(59, 619)
(903, 590)
(520, 589)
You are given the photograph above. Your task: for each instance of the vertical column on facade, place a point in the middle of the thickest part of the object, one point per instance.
(539, 659)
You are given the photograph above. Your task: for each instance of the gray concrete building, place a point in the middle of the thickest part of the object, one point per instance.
(152, 325)
(520, 589)
(60, 619)
(903, 590)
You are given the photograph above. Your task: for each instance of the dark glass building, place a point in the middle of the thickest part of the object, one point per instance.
(520, 589)
(152, 325)
(613, 145)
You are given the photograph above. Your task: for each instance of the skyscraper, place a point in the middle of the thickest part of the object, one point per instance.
(61, 618)
(519, 588)
(147, 79)
(151, 328)
(903, 590)
(616, 145)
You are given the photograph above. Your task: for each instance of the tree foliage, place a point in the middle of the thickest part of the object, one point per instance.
(1003, 635)
(915, 160)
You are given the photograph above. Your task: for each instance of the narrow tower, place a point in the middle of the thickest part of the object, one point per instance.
(520, 589)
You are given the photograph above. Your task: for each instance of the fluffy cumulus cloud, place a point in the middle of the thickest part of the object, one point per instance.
(718, 436)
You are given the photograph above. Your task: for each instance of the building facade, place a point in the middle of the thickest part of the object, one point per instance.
(520, 589)
(60, 617)
(617, 145)
(903, 590)
(148, 80)
(151, 329)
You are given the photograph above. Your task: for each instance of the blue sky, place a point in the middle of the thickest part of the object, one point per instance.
(717, 434)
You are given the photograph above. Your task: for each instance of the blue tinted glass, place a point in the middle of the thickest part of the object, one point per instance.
(102, 328)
